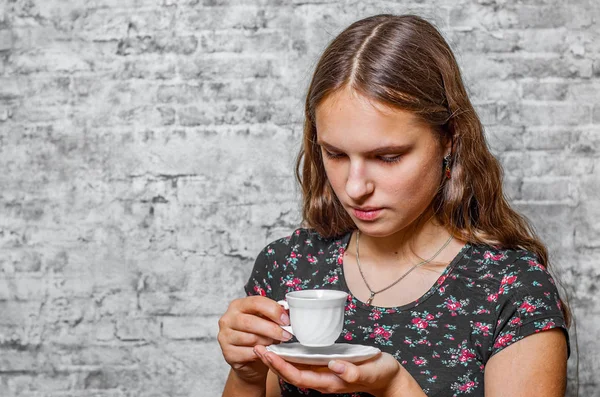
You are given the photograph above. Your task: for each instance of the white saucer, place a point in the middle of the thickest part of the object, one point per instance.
(296, 353)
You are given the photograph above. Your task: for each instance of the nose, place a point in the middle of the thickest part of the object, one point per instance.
(358, 185)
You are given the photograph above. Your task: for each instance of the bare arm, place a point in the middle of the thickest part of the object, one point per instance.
(533, 366)
(238, 387)
(273, 389)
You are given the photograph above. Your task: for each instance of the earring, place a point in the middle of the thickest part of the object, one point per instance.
(447, 165)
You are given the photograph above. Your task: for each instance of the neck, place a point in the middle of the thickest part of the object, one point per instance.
(415, 243)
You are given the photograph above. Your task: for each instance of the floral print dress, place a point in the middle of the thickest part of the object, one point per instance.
(485, 300)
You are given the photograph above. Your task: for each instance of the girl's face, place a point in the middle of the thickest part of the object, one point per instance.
(384, 165)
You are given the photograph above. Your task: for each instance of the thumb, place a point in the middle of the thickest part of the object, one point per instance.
(346, 371)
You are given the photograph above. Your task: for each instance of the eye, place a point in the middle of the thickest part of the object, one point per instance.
(333, 156)
(390, 159)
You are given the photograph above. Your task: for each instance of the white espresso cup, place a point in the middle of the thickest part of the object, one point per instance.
(316, 315)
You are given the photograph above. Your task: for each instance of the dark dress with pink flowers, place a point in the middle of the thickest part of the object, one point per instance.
(485, 300)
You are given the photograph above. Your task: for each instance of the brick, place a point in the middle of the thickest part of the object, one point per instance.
(529, 66)
(501, 138)
(5, 114)
(221, 3)
(6, 40)
(259, 148)
(520, 16)
(484, 41)
(91, 356)
(494, 90)
(21, 385)
(47, 92)
(104, 331)
(156, 303)
(535, 163)
(588, 188)
(22, 289)
(21, 260)
(157, 44)
(116, 301)
(276, 41)
(587, 234)
(465, 18)
(236, 113)
(584, 93)
(212, 300)
(542, 40)
(180, 93)
(190, 327)
(552, 114)
(111, 378)
(587, 141)
(69, 333)
(20, 361)
(585, 337)
(512, 188)
(137, 329)
(10, 89)
(552, 222)
(541, 17)
(250, 17)
(108, 23)
(538, 90)
(21, 336)
(213, 367)
(18, 312)
(55, 58)
(225, 90)
(153, 67)
(84, 393)
(548, 138)
(166, 368)
(584, 42)
(557, 189)
(11, 238)
(221, 67)
(549, 66)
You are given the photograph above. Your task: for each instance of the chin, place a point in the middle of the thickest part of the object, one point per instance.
(374, 229)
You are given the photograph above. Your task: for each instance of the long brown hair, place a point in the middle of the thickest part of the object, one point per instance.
(404, 62)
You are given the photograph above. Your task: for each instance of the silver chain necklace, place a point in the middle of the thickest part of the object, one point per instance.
(373, 293)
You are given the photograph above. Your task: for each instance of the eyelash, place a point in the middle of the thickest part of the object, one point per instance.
(387, 160)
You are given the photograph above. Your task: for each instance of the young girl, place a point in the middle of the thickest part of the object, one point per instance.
(403, 209)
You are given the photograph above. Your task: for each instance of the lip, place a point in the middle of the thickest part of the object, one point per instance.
(366, 213)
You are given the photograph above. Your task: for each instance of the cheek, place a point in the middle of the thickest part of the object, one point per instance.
(335, 175)
(415, 183)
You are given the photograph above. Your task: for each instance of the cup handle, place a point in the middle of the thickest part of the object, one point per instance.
(285, 305)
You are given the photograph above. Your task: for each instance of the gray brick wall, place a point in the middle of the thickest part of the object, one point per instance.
(147, 146)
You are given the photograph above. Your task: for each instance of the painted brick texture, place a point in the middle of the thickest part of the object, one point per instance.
(147, 149)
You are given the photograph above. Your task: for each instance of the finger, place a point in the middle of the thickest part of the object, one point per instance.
(321, 379)
(239, 338)
(238, 357)
(346, 371)
(259, 326)
(260, 305)
(260, 351)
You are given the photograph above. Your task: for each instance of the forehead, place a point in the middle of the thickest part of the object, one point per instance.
(346, 113)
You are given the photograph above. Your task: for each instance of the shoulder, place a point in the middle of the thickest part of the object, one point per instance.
(302, 239)
(508, 275)
(304, 259)
(495, 263)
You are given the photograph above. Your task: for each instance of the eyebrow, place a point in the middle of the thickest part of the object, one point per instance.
(379, 150)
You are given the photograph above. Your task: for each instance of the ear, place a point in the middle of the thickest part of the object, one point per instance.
(447, 145)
